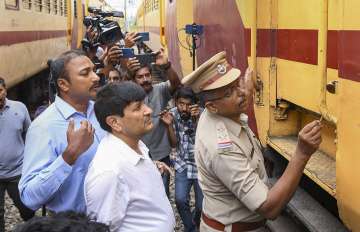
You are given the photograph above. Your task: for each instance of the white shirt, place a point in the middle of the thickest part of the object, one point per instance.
(125, 191)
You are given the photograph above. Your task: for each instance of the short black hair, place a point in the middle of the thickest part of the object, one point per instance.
(113, 98)
(2, 82)
(132, 74)
(185, 92)
(57, 67)
(63, 222)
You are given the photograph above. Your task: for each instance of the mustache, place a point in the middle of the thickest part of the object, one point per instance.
(147, 120)
(96, 85)
(146, 83)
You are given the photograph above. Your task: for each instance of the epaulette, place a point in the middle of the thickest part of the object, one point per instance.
(224, 143)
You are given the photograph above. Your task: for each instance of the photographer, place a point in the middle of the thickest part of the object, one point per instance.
(181, 123)
(157, 98)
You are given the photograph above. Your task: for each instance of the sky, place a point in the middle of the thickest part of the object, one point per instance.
(119, 5)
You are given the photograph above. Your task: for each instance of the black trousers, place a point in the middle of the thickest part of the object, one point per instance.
(11, 186)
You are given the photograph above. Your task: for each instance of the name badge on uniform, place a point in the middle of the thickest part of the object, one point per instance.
(224, 142)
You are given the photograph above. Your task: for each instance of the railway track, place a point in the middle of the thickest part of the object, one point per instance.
(303, 213)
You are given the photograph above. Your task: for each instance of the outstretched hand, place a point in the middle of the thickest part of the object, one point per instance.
(309, 138)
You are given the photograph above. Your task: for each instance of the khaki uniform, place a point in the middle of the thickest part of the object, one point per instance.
(231, 171)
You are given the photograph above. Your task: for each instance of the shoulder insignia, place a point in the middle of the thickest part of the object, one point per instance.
(224, 142)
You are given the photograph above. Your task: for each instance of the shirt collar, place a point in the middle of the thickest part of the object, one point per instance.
(67, 110)
(131, 155)
(7, 103)
(6, 106)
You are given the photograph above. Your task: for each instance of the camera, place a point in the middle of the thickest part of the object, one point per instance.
(146, 58)
(194, 29)
(102, 30)
(144, 36)
(127, 52)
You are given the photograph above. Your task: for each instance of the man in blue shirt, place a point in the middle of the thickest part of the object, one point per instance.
(62, 141)
(14, 122)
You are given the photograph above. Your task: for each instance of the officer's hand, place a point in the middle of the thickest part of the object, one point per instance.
(161, 57)
(133, 64)
(309, 138)
(246, 83)
(78, 140)
(130, 39)
(194, 110)
(163, 168)
(166, 117)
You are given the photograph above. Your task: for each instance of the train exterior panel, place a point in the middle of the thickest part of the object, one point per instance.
(33, 31)
(306, 61)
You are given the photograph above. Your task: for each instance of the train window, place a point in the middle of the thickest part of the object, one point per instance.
(27, 4)
(38, 5)
(12, 4)
(61, 7)
(156, 4)
(54, 8)
(75, 9)
(47, 6)
(65, 8)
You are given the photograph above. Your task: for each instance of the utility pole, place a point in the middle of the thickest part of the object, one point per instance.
(125, 19)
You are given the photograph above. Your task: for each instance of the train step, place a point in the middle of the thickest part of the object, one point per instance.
(311, 214)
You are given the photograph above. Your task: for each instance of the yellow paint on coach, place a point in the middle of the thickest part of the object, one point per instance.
(335, 168)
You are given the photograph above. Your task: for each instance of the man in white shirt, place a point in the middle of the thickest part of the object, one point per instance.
(123, 187)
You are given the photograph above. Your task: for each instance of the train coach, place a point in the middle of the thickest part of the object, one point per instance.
(306, 61)
(33, 31)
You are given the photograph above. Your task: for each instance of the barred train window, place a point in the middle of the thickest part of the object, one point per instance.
(54, 8)
(47, 6)
(38, 5)
(156, 4)
(27, 4)
(61, 7)
(12, 4)
(75, 9)
(65, 8)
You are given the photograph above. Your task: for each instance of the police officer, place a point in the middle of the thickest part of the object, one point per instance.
(229, 159)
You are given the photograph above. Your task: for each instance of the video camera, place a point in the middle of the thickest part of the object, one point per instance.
(102, 30)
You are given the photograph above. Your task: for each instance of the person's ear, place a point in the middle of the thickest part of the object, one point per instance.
(211, 106)
(114, 123)
(63, 84)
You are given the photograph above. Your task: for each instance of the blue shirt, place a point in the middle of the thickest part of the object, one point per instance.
(14, 122)
(46, 178)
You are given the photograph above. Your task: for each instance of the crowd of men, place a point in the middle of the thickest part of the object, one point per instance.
(105, 151)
